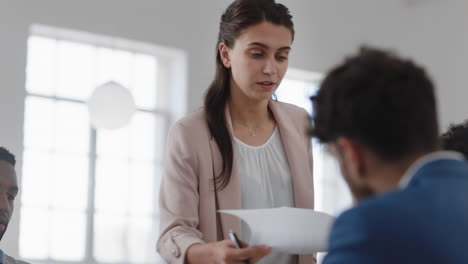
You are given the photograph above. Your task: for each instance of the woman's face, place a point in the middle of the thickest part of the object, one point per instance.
(258, 60)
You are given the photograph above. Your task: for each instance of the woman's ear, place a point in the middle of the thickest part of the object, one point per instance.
(224, 54)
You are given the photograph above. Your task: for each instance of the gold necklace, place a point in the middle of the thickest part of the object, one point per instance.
(253, 132)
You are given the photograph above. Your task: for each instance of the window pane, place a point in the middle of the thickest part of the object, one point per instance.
(114, 65)
(144, 81)
(72, 135)
(39, 123)
(141, 188)
(34, 233)
(141, 240)
(41, 65)
(331, 195)
(295, 92)
(37, 171)
(160, 135)
(68, 235)
(142, 129)
(109, 244)
(70, 182)
(57, 156)
(157, 185)
(75, 70)
(112, 181)
(113, 143)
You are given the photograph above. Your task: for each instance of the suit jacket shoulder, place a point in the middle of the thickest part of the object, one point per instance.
(192, 123)
(369, 233)
(402, 226)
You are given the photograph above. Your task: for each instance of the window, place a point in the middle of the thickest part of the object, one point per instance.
(91, 196)
(331, 193)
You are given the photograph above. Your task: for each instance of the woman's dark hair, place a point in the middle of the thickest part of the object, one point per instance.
(240, 15)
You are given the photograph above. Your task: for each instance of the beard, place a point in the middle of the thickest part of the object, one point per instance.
(4, 220)
(360, 191)
(3, 232)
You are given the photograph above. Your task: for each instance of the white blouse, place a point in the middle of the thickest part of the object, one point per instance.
(266, 182)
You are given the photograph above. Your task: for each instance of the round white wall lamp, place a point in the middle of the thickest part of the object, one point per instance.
(111, 106)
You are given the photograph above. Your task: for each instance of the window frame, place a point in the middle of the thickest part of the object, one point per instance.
(169, 60)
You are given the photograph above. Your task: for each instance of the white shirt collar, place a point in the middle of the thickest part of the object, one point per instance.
(419, 163)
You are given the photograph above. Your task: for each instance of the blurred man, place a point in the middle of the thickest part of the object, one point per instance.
(456, 138)
(8, 191)
(376, 112)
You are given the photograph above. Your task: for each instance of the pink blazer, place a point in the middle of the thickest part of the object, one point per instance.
(187, 202)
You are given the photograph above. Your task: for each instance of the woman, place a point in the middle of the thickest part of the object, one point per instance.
(242, 149)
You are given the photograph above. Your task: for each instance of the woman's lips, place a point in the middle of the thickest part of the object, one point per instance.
(267, 86)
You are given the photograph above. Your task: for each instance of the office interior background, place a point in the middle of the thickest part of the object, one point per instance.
(91, 196)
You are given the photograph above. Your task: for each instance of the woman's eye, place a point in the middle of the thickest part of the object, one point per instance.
(281, 58)
(256, 54)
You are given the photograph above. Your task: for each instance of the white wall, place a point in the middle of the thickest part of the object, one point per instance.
(434, 32)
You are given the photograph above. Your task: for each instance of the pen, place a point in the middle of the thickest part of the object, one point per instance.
(237, 243)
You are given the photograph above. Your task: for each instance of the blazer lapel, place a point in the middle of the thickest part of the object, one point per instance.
(297, 155)
(229, 197)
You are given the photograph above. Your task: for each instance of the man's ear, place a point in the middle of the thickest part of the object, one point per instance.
(353, 154)
(224, 54)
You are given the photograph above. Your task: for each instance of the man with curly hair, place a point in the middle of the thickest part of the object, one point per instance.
(376, 113)
(456, 138)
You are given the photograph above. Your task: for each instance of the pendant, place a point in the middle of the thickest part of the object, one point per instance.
(253, 131)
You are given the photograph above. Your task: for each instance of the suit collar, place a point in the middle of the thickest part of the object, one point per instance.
(425, 160)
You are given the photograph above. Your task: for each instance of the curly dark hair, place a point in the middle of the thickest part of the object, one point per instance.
(385, 102)
(7, 156)
(456, 138)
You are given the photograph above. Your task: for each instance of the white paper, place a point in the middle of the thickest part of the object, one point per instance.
(285, 229)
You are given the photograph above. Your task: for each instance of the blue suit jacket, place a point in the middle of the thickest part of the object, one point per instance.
(427, 222)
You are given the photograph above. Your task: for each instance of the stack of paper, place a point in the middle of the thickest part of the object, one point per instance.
(285, 229)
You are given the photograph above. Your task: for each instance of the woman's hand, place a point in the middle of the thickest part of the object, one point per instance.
(224, 252)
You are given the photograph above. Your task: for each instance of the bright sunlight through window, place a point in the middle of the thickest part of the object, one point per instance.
(90, 196)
